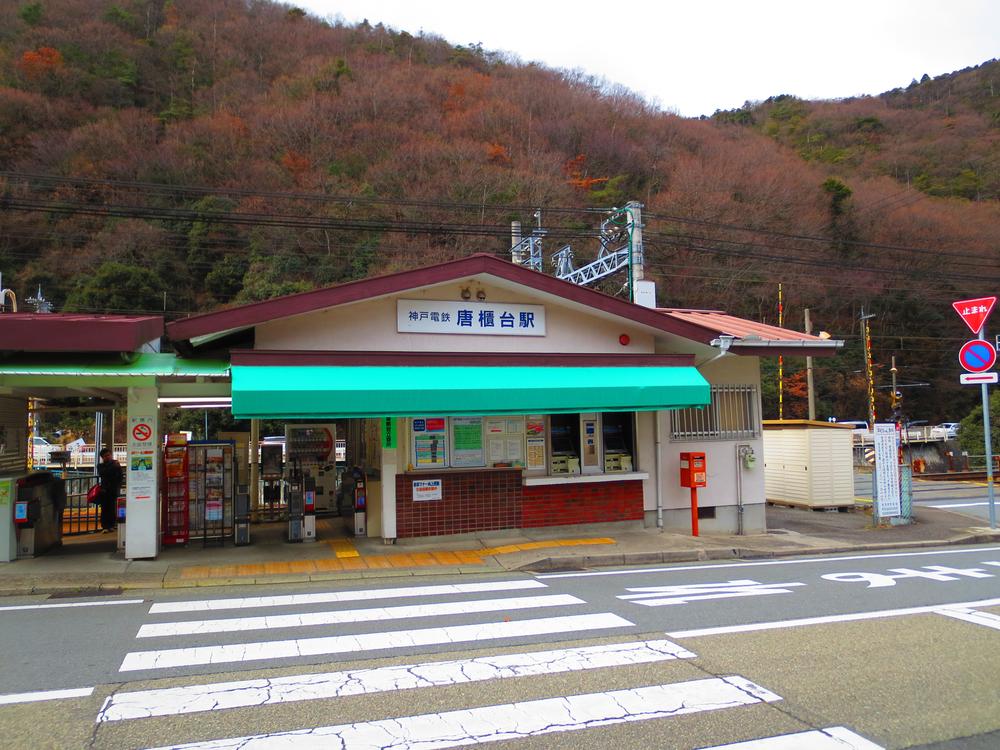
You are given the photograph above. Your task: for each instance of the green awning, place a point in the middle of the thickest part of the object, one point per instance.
(336, 392)
(102, 371)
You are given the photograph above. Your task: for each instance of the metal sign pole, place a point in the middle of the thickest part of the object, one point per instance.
(989, 447)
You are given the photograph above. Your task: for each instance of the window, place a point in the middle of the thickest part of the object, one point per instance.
(730, 415)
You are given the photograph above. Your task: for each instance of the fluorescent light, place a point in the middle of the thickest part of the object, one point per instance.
(194, 400)
(203, 406)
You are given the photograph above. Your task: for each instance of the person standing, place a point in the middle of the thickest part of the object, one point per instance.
(110, 473)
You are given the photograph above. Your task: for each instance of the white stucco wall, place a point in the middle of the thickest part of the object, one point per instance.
(371, 326)
(724, 468)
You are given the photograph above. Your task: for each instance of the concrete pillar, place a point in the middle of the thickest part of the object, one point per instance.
(390, 467)
(142, 471)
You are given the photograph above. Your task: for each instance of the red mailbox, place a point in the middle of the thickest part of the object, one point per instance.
(693, 472)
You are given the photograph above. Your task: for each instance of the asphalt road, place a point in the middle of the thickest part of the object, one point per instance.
(897, 649)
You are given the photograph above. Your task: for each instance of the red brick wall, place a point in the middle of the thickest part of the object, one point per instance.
(483, 500)
(600, 502)
(492, 499)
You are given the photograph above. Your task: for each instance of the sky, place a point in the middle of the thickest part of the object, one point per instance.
(697, 56)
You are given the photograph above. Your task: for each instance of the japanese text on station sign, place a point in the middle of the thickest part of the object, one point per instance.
(481, 318)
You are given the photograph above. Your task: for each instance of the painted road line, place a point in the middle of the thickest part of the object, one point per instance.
(956, 505)
(796, 561)
(45, 695)
(196, 698)
(339, 644)
(474, 726)
(852, 617)
(831, 738)
(61, 605)
(211, 605)
(969, 615)
(239, 624)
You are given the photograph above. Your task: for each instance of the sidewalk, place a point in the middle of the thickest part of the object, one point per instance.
(91, 564)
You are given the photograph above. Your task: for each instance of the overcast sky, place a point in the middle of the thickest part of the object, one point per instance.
(697, 56)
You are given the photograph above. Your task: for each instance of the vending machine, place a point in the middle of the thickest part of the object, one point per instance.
(313, 446)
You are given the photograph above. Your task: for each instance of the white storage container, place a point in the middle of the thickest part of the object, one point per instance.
(808, 463)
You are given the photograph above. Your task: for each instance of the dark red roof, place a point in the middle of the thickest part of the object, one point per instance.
(77, 332)
(692, 328)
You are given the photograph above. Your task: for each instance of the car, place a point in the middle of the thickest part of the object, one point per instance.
(945, 430)
(861, 429)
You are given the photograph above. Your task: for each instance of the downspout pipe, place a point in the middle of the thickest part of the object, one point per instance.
(659, 467)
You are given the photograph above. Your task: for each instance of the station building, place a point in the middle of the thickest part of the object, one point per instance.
(475, 395)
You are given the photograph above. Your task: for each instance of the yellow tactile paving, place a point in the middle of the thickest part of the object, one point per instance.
(347, 557)
(377, 562)
(445, 558)
(401, 560)
(343, 548)
(328, 564)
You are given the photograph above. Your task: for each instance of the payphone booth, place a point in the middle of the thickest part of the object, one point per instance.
(693, 475)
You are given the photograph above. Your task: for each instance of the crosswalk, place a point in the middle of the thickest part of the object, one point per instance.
(502, 617)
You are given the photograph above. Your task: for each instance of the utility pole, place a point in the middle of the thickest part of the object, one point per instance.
(809, 375)
(867, 332)
(781, 360)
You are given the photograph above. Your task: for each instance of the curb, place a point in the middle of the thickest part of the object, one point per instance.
(542, 565)
(739, 553)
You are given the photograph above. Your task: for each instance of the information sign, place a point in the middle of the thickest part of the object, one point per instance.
(975, 378)
(887, 486)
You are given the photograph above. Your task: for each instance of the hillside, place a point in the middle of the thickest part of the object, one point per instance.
(180, 155)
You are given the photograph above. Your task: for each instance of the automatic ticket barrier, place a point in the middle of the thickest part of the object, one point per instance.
(359, 518)
(301, 497)
(120, 523)
(241, 516)
(38, 509)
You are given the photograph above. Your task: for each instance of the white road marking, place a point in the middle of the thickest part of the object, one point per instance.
(969, 615)
(956, 505)
(831, 738)
(474, 726)
(45, 695)
(206, 605)
(184, 700)
(852, 617)
(659, 596)
(338, 644)
(61, 605)
(761, 563)
(238, 624)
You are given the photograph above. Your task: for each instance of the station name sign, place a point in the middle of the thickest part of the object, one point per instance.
(476, 318)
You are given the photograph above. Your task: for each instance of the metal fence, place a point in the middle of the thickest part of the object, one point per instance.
(80, 517)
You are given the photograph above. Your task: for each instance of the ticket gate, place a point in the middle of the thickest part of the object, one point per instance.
(38, 509)
(241, 516)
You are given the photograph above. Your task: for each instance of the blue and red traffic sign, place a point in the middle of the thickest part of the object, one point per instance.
(977, 355)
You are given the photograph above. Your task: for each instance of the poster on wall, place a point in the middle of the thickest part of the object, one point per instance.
(467, 441)
(534, 430)
(430, 442)
(505, 441)
(141, 480)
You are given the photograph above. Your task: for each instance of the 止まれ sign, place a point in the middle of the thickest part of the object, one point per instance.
(974, 311)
